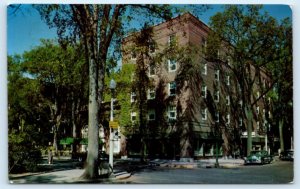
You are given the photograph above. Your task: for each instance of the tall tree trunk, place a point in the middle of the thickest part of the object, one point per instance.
(217, 155)
(281, 135)
(185, 141)
(142, 128)
(74, 133)
(55, 140)
(91, 169)
(55, 133)
(249, 117)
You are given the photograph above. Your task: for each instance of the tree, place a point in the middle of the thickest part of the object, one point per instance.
(59, 73)
(96, 26)
(251, 40)
(123, 78)
(282, 94)
(142, 82)
(24, 140)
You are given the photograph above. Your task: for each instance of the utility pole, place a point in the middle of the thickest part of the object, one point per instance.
(112, 86)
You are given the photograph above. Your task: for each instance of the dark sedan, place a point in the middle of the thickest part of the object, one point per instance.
(287, 155)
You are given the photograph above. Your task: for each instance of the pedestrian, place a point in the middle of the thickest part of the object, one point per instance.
(50, 156)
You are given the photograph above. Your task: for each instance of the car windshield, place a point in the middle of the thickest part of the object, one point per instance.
(255, 153)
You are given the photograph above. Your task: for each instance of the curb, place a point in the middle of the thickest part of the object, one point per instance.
(179, 166)
(221, 165)
(122, 175)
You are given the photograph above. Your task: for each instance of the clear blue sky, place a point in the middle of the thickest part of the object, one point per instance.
(25, 28)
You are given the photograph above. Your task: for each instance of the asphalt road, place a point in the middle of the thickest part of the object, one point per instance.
(278, 172)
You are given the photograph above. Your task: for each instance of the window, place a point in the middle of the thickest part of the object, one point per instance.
(133, 116)
(217, 117)
(172, 65)
(171, 41)
(239, 87)
(228, 61)
(218, 54)
(204, 114)
(133, 55)
(257, 81)
(264, 113)
(227, 80)
(227, 100)
(228, 119)
(151, 115)
(151, 93)
(132, 78)
(203, 45)
(240, 122)
(172, 88)
(217, 75)
(204, 69)
(133, 97)
(152, 70)
(152, 46)
(257, 94)
(172, 113)
(257, 126)
(257, 110)
(217, 96)
(203, 91)
(264, 83)
(241, 104)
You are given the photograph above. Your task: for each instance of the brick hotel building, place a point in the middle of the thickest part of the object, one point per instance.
(189, 119)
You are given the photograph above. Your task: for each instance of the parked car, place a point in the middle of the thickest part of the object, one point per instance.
(258, 157)
(287, 155)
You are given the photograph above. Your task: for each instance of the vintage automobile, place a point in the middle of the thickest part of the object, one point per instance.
(287, 155)
(258, 157)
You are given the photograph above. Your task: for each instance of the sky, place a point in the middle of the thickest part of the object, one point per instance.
(25, 28)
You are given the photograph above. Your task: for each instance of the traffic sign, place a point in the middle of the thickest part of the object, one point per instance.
(113, 124)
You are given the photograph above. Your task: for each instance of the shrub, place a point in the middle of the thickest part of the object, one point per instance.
(23, 155)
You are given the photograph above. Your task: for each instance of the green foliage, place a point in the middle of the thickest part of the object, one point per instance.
(254, 43)
(123, 91)
(68, 141)
(22, 152)
(282, 93)
(60, 74)
(250, 39)
(43, 85)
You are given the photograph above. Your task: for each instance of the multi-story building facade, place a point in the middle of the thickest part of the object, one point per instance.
(193, 105)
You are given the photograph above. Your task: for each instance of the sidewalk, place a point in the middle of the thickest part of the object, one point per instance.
(65, 177)
(64, 171)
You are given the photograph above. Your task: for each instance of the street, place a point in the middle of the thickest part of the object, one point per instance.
(278, 172)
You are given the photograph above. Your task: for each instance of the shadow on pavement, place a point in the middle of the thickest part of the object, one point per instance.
(133, 166)
(38, 179)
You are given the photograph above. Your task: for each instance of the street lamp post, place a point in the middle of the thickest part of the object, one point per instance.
(112, 86)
